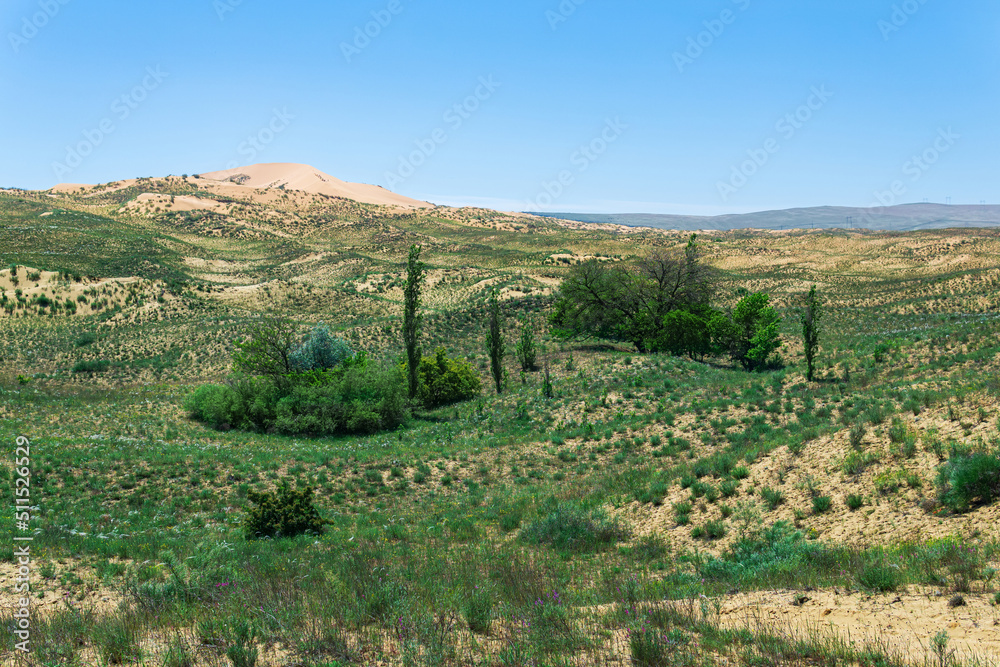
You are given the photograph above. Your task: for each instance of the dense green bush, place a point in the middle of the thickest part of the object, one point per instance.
(965, 482)
(356, 398)
(282, 513)
(320, 351)
(216, 405)
(444, 380)
(361, 399)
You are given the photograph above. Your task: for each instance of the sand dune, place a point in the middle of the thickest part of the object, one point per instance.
(308, 179)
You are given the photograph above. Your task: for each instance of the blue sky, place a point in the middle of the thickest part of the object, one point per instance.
(575, 105)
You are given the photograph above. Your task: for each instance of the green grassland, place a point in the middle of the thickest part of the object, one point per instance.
(603, 525)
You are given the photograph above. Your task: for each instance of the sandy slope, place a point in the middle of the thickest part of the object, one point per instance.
(307, 179)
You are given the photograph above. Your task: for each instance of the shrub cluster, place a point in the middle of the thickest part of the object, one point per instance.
(444, 380)
(357, 398)
(969, 481)
(282, 513)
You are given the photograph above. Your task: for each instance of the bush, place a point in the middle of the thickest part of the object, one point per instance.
(570, 528)
(822, 504)
(444, 380)
(97, 366)
(854, 501)
(361, 399)
(771, 497)
(216, 405)
(965, 482)
(478, 610)
(320, 351)
(880, 577)
(282, 513)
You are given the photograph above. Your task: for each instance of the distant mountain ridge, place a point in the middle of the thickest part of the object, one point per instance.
(901, 218)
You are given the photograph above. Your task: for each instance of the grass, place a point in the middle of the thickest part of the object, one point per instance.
(511, 517)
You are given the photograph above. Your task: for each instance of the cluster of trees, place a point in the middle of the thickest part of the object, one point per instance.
(318, 385)
(664, 303)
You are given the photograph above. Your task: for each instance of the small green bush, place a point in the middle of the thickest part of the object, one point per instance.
(822, 504)
(880, 577)
(444, 380)
(854, 501)
(571, 528)
(771, 497)
(96, 366)
(478, 610)
(216, 405)
(965, 482)
(282, 513)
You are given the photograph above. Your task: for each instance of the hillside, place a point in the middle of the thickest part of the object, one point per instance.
(901, 218)
(749, 517)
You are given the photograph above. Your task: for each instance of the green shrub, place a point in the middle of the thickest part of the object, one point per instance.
(969, 481)
(880, 577)
(571, 528)
(96, 366)
(771, 497)
(320, 351)
(216, 405)
(822, 504)
(282, 513)
(86, 338)
(478, 610)
(444, 380)
(854, 501)
(362, 398)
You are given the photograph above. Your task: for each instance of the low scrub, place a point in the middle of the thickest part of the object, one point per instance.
(969, 481)
(571, 528)
(282, 513)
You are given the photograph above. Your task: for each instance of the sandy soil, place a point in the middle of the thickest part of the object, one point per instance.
(307, 179)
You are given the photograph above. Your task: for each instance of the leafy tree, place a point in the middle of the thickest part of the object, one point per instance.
(415, 270)
(320, 351)
(629, 303)
(811, 316)
(268, 350)
(751, 333)
(495, 344)
(525, 349)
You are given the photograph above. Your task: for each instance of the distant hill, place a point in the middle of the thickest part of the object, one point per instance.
(907, 217)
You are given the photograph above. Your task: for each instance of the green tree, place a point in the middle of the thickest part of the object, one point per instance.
(628, 303)
(415, 270)
(811, 316)
(267, 350)
(526, 349)
(495, 344)
(751, 333)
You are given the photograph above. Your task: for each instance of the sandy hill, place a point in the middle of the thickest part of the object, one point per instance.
(308, 179)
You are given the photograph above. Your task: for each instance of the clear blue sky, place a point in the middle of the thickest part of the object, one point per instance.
(667, 123)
